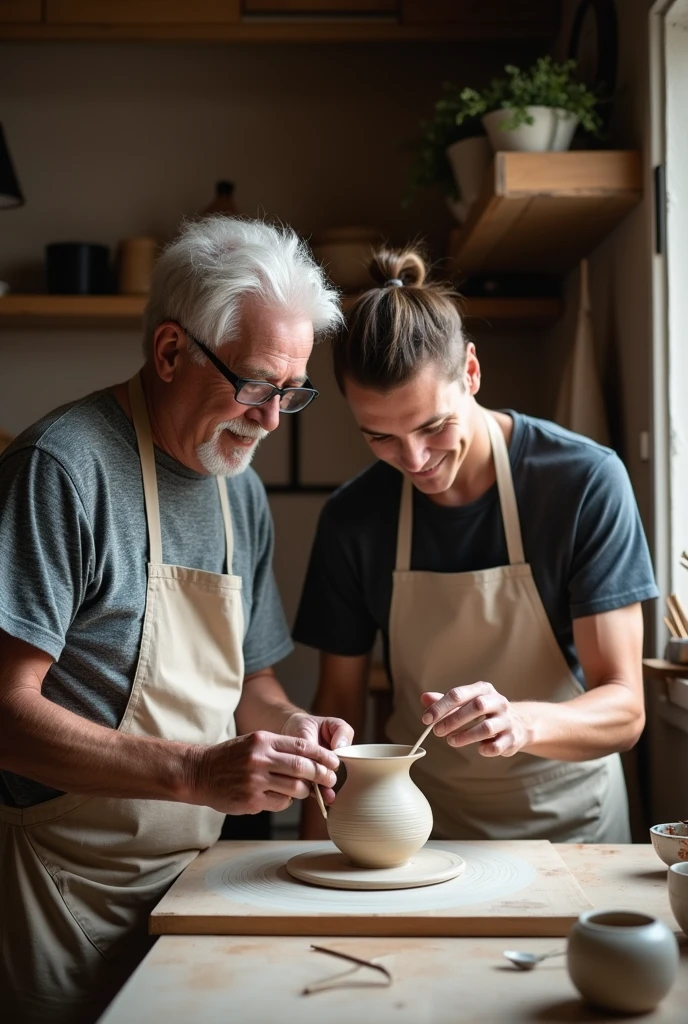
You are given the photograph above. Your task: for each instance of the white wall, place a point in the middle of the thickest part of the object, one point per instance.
(677, 270)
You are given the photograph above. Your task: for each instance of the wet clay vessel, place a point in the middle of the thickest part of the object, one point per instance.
(380, 818)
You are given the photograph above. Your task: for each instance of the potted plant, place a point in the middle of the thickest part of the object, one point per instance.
(534, 110)
(452, 153)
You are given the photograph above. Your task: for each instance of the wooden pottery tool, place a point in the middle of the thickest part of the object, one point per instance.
(420, 739)
(321, 802)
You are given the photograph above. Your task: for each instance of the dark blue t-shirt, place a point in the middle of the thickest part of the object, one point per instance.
(581, 530)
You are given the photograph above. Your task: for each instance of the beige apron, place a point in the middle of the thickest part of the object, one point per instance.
(451, 629)
(79, 876)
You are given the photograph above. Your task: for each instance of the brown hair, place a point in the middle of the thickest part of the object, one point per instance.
(396, 328)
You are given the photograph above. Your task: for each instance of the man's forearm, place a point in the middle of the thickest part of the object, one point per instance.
(264, 705)
(47, 743)
(602, 720)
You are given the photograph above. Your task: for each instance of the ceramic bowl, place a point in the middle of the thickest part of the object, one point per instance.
(622, 960)
(670, 842)
(677, 651)
(677, 880)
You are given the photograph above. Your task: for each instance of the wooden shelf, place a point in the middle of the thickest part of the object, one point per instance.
(543, 212)
(124, 312)
(658, 668)
(54, 311)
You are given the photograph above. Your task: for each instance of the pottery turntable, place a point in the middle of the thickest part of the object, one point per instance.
(379, 876)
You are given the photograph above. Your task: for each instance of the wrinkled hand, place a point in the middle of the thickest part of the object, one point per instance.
(476, 714)
(261, 771)
(327, 732)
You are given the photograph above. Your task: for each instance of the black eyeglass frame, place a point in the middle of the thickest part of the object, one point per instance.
(239, 382)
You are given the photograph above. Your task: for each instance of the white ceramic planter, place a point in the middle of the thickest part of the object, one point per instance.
(380, 818)
(469, 160)
(622, 960)
(553, 130)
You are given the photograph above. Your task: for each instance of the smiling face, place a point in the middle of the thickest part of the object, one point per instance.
(424, 428)
(193, 409)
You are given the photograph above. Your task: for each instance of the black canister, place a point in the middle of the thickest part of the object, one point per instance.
(77, 268)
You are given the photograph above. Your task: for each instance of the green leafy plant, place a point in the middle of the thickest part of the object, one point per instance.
(545, 84)
(450, 123)
(457, 115)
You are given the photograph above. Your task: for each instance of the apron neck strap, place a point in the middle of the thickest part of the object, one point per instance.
(405, 527)
(507, 494)
(227, 517)
(144, 439)
(507, 501)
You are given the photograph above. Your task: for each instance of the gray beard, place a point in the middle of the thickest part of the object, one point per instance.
(216, 463)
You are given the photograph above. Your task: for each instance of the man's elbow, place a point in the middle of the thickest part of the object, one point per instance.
(633, 731)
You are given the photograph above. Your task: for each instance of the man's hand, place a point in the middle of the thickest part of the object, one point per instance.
(326, 732)
(477, 714)
(262, 771)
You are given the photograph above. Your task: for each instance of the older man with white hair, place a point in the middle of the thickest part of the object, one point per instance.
(139, 619)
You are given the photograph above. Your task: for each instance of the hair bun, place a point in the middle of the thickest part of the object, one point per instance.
(405, 265)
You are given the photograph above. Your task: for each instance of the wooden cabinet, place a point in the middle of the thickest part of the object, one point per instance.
(324, 7)
(534, 18)
(280, 20)
(141, 12)
(20, 12)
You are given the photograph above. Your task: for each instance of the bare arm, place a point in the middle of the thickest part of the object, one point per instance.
(47, 743)
(263, 704)
(608, 717)
(342, 692)
(42, 741)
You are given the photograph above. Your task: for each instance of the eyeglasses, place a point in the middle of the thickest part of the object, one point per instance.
(258, 392)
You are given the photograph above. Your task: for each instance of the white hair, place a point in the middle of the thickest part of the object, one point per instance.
(203, 276)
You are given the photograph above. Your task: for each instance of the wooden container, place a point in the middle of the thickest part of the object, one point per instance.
(136, 259)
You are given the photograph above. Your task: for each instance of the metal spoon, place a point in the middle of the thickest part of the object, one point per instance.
(526, 961)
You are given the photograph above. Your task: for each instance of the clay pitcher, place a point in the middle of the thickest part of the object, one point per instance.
(380, 818)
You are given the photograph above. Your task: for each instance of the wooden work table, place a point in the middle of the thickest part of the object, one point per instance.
(258, 980)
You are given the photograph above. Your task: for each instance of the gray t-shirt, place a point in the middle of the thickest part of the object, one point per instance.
(74, 549)
(581, 532)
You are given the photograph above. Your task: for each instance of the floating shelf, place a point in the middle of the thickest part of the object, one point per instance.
(543, 212)
(120, 312)
(124, 312)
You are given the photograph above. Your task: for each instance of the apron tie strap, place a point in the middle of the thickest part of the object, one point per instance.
(144, 438)
(226, 515)
(507, 494)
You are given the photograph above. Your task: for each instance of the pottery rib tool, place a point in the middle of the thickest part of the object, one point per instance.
(321, 802)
